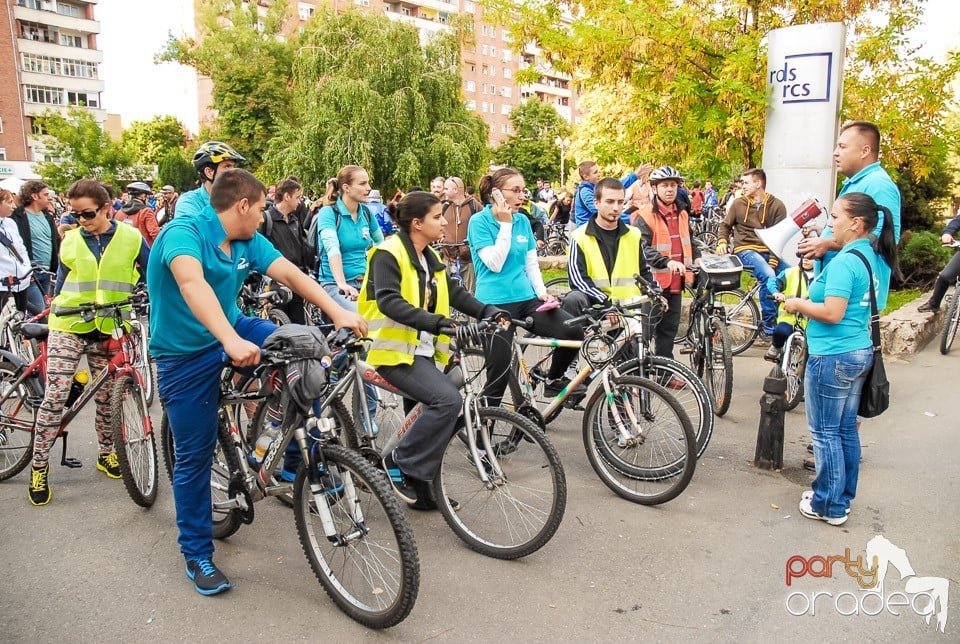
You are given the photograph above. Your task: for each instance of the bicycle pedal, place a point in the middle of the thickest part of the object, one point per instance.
(72, 463)
(685, 350)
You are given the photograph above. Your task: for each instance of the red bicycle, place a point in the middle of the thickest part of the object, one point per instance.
(22, 388)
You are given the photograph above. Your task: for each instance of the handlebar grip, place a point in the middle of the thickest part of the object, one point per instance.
(526, 323)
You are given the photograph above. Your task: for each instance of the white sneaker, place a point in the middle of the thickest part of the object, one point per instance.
(808, 496)
(807, 510)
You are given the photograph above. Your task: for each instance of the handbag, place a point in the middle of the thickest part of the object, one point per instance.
(875, 397)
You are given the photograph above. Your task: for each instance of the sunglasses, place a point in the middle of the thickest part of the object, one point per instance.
(86, 214)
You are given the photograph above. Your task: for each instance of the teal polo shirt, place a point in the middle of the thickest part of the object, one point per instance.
(174, 329)
(845, 276)
(511, 284)
(194, 202)
(350, 240)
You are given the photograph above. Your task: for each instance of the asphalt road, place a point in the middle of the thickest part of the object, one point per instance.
(709, 566)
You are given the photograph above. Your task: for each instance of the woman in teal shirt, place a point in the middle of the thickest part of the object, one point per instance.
(841, 352)
(504, 254)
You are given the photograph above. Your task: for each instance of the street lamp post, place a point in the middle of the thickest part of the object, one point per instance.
(563, 144)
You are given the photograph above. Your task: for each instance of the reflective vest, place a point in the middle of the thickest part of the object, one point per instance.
(395, 343)
(112, 279)
(662, 243)
(796, 286)
(619, 283)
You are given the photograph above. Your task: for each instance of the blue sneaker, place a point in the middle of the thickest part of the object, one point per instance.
(401, 485)
(206, 577)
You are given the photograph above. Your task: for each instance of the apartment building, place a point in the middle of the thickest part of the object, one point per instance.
(488, 67)
(48, 60)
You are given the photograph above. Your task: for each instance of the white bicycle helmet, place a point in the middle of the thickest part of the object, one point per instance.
(664, 173)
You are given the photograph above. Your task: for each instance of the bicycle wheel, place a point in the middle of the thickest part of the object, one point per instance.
(556, 248)
(17, 419)
(510, 516)
(794, 363)
(951, 323)
(371, 567)
(142, 361)
(706, 241)
(684, 385)
(656, 462)
(558, 287)
(743, 319)
(133, 441)
(718, 365)
(226, 517)
(387, 417)
(277, 316)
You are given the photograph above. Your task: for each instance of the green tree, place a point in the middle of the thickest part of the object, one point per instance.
(79, 149)
(367, 93)
(149, 141)
(532, 147)
(176, 169)
(249, 59)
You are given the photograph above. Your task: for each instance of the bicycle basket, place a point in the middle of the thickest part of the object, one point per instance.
(721, 272)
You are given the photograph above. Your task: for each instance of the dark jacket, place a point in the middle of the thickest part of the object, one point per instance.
(383, 285)
(20, 216)
(289, 237)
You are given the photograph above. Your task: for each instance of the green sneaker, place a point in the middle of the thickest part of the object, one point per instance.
(108, 464)
(39, 490)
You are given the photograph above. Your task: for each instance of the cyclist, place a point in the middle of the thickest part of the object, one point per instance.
(100, 262)
(457, 211)
(14, 260)
(209, 159)
(137, 213)
(285, 231)
(406, 296)
(793, 282)
(38, 230)
(199, 260)
(505, 258)
(950, 272)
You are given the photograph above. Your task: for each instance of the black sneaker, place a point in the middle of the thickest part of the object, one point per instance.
(552, 388)
(926, 307)
(401, 485)
(206, 577)
(109, 465)
(772, 354)
(39, 490)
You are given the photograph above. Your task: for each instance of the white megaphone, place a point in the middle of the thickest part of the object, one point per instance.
(782, 239)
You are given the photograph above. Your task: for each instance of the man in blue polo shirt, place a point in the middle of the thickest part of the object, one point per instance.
(210, 158)
(196, 261)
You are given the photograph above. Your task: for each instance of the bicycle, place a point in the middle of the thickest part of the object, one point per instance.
(22, 391)
(952, 321)
(453, 250)
(261, 297)
(557, 240)
(793, 363)
(351, 527)
(142, 360)
(501, 487)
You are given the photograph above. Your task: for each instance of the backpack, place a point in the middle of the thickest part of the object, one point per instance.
(313, 232)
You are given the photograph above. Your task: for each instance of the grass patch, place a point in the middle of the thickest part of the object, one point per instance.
(553, 273)
(896, 299)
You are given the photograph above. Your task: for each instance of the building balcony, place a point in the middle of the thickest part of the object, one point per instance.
(27, 46)
(55, 19)
(35, 109)
(427, 28)
(542, 88)
(436, 5)
(71, 83)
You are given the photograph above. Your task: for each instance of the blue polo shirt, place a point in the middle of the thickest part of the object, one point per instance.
(174, 329)
(351, 240)
(194, 202)
(845, 276)
(511, 284)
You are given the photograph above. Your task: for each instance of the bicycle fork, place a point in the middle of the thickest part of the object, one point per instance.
(629, 430)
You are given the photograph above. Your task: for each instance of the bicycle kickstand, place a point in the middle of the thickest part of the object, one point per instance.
(66, 461)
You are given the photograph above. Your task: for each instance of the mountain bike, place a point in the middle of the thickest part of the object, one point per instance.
(261, 297)
(557, 240)
(22, 387)
(952, 321)
(350, 524)
(793, 363)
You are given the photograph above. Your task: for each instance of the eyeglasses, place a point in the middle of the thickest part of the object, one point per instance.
(86, 214)
(515, 190)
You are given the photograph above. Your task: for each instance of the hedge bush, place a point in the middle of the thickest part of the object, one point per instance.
(921, 256)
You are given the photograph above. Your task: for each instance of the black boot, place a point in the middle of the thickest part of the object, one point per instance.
(939, 290)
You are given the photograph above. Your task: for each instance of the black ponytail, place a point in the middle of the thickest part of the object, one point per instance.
(862, 206)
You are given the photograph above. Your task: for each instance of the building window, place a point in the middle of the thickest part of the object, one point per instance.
(493, 89)
(485, 70)
(72, 10)
(69, 40)
(39, 33)
(362, 3)
(505, 108)
(507, 72)
(505, 128)
(44, 95)
(31, 4)
(305, 10)
(506, 91)
(1, 126)
(470, 86)
(83, 99)
(493, 51)
(470, 7)
(471, 105)
(485, 107)
(3, 154)
(485, 50)
(507, 55)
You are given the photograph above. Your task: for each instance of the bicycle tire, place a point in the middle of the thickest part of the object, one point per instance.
(693, 397)
(133, 441)
(794, 363)
(951, 323)
(556, 249)
(387, 418)
(706, 240)
(225, 463)
(627, 469)
(719, 366)
(481, 519)
(17, 421)
(385, 521)
(277, 316)
(558, 286)
(743, 321)
(143, 362)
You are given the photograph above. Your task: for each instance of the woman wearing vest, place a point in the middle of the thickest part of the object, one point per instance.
(406, 298)
(841, 351)
(99, 262)
(793, 282)
(505, 258)
(665, 228)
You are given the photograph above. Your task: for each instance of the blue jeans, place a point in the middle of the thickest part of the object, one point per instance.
(763, 272)
(832, 387)
(190, 391)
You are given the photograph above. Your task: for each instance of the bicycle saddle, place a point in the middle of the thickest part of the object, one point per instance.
(34, 330)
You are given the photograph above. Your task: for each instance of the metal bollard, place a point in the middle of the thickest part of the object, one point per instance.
(769, 454)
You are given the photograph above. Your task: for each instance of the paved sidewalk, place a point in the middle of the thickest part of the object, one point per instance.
(709, 566)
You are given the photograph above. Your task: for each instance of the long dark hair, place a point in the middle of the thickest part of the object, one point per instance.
(862, 205)
(415, 205)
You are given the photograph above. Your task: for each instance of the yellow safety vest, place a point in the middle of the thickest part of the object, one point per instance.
(394, 343)
(619, 283)
(112, 279)
(796, 286)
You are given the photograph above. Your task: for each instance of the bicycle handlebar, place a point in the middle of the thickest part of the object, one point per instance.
(93, 307)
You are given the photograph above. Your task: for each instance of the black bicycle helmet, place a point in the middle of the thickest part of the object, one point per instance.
(213, 153)
(664, 173)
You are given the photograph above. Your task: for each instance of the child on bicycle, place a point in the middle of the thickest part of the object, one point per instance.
(197, 268)
(99, 262)
(406, 296)
(792, 282)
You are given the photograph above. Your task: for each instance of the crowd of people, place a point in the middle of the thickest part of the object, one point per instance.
(372, 267)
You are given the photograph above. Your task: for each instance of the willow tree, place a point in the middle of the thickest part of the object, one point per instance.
(366, 92)
(683, 82)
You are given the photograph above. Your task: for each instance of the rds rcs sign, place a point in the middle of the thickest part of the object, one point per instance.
(803, 78)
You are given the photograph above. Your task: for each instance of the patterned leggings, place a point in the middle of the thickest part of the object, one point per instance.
(63, 355)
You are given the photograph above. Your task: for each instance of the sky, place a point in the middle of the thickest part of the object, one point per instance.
(133, 31)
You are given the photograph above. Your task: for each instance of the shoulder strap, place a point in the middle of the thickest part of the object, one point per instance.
(874, 314)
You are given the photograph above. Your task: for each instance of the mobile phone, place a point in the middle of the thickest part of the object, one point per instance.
(498, 198)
